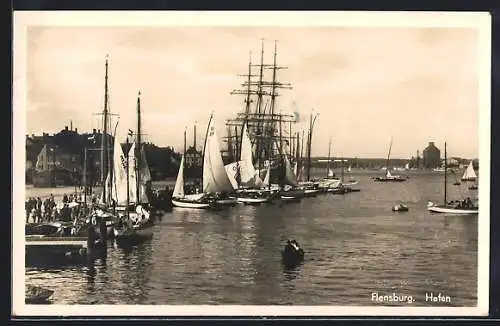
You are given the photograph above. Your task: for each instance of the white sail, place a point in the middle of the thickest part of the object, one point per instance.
(249, 175)
(330, 173)
(265, 182)
(145, 176)
(179, 183)
(215, 178)
(119, 187)
(469, 173)
(302, 174)
(290, 177)
(407, 166)
(296, 169)
(388, 173)
(349, 168)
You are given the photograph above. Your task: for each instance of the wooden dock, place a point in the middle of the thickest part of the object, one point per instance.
(69, 242)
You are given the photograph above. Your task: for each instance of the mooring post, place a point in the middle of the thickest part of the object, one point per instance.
(103, 230)
(90, 241)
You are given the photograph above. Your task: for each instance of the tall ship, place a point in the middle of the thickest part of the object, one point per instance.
(274, 140)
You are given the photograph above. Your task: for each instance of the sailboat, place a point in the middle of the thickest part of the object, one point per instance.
(180, 199)
(469, 174)
(250, 189)
(289, 189)
(131, 227)
(216, 184)
(330, 182)
(135, 224)
(388, 176)
(464, 207)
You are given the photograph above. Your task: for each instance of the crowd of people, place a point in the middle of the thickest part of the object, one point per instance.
(71, 208)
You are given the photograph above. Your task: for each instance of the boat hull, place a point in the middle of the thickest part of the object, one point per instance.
(252, 201)
(130, 237)
(227, 201)
(452, 210)
(189, 204)
(381, 179)
(311, 192)
(37, 295)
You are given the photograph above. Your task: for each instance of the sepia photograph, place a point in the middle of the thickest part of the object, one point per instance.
(251, 163)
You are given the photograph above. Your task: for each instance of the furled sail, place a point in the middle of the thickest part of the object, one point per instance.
(265, 182)
(132, 175)
(145, 172)
(215, 178)
(179, 182)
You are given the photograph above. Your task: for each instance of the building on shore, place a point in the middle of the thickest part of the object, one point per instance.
(431, 156)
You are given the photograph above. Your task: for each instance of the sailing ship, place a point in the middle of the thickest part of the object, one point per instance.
(268, 130)
(469, 173)
(388, 176)
(217, 188)
(463, 207)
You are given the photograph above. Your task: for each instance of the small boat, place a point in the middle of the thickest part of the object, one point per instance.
(217, 188)
(455, 208)
(469, 174)
(463, 207)
(290, 190)
(253, 196)
(388, 176)
(400, 208)
(36, 294)
(224, 199)
(292, 255)
(311, 189)
(473, 187)
(136, 233)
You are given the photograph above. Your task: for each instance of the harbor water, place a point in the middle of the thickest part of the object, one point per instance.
(354, 246)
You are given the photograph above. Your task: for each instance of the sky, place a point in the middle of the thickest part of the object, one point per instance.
(368, 84)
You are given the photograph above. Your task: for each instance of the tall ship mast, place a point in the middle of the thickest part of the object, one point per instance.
(270, 131)
(106, 139)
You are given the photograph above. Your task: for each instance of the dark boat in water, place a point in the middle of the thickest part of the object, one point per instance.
(128, 236)
(292, 255)
(37, 295)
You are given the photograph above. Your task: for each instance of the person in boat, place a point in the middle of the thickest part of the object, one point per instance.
(65, 198)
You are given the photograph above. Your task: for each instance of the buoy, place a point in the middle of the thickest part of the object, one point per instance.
(400, 208)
